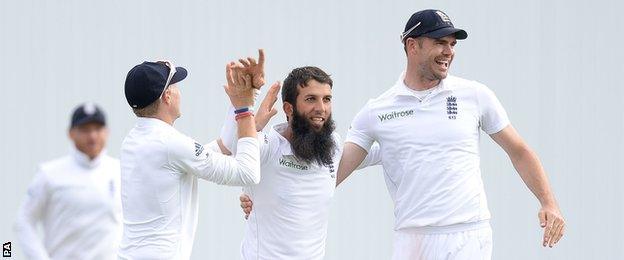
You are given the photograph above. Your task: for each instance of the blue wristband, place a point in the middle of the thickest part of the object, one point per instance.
(242, 110)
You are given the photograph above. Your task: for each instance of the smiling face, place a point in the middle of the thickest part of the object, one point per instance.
(307, 98)
(312, 127)
(432, 57)
(314, 104)
(307, 91)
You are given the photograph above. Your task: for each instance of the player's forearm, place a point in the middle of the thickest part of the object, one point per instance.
(352, 157)
(248, 160)
(246, 127)
(229, 132)
(229, 129)
(240, 170)
(530, 169)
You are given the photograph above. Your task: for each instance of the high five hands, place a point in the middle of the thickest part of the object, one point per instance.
(252, 70)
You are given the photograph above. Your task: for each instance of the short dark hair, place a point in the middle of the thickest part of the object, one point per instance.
(148, 111)
(300, 77)
(419, 39)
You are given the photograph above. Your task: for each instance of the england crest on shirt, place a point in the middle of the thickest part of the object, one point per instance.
(451, 107)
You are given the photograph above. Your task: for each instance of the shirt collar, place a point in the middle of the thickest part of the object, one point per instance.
(151, 122)
(284, 144)
(84, 160)
(403, 90)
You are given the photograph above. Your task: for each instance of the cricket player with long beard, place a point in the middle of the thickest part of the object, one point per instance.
(299, 159)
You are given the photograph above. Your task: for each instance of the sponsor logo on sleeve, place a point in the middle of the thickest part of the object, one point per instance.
(198, 149)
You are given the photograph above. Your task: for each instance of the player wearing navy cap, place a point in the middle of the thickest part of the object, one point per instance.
(428, 126)
(160, 166)
(75, 198)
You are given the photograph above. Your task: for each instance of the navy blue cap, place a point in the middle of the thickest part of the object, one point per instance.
(87, 113)
(433, 24)
(146, 82)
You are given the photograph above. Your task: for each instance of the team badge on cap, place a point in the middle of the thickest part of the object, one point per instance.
(89, 108)
(433, 24)
(443, 16)
(87, 113)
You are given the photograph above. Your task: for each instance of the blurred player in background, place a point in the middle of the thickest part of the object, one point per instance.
(75, 198)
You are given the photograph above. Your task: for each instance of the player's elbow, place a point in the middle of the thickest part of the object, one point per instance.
(241, 175)
(224, 147)
(250, 174)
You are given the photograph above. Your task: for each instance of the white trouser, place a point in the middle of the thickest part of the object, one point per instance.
(472, 241)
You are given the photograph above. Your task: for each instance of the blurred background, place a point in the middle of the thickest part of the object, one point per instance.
(555, 66)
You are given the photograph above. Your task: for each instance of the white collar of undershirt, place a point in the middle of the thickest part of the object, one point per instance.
(422, 94)
(152, 122)
(84, 160)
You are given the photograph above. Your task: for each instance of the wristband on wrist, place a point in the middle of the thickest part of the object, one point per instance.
(242, 110)
(243, 114)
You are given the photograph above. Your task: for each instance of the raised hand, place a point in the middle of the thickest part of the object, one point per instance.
(267, 108)
(255, 69)
(239, 86)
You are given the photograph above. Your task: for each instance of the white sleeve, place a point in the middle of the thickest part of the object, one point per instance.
(229, 130)
(372, 158)
(361, 130)
(190, 157)
(229, 135)
(213, 146)
(29, 215)
(492, 117)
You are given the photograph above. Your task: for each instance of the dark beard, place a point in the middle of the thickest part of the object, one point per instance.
(312, 146)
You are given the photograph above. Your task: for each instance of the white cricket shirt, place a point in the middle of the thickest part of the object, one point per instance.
(431, 149)
(159, 171)
(76, 200)
(291, 202)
